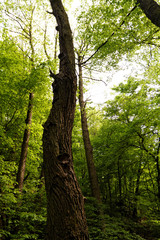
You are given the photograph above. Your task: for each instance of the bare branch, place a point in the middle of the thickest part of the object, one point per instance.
(44, 42)
(98, 80)
(15, 18)
(49, 12)
(19, 33)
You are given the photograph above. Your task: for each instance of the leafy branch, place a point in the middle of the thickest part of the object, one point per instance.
(113, 33)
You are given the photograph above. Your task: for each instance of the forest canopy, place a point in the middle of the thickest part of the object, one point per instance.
(67, 165)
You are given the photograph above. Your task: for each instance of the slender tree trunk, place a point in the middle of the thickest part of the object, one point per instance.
(55, 48)
(24, 149)
(65, 216)
(158, 169)
(151, 10)
(88, 147)
(110, 192)
(137, 190)
(86, 139)
(119, 180)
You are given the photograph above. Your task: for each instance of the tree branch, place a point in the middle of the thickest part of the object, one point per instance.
(98, 80)
(113, 33)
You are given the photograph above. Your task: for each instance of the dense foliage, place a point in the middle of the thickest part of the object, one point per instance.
(125, 131)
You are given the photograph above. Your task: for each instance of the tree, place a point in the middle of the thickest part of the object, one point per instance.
(25, 144)
(151, 9)
(128, 147)
(16, 83)
(28, 33)
(25, 30)
(65, 216)
(86, 139)
(116, 33)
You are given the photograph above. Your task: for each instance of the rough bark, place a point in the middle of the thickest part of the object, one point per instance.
(151, 10)
(24, 149)
(86, 139)
(65, 216)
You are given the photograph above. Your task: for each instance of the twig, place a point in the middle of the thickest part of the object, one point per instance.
(98, 80)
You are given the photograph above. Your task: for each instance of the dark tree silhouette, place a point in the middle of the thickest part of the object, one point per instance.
(65, 216)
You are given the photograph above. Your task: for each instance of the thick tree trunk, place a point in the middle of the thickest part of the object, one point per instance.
(86, 139)
(24, 149)
(65, 216)
(151, 10)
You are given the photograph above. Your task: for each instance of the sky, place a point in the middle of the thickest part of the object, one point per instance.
(98, 92)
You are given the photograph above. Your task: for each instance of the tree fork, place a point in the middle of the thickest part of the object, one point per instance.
(65, 206)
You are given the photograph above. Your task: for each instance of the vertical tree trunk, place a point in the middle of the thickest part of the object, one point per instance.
(88, 147)
(151, 10)
(24, 149)
(65, 216)
(86, 139)
(137, 190)
(119, 180)
(110, 192)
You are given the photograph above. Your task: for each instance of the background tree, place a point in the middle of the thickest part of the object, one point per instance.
(131, 146)
(86, 139)
(15, 86)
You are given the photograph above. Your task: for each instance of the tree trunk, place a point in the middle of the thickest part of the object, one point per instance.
(158, 169)
(65, 211)
(137, 190)
(110, 192)
(151, 10)
(119, 180)
(86, 139)
(88, 147)
(24, 149)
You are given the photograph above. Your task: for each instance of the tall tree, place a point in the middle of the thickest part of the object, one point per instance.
(129, 144)
(65, 216)
(25, 144)
(86, 138)
(28, 33)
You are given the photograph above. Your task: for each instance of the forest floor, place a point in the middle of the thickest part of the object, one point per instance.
(149, 230)
(124, 228)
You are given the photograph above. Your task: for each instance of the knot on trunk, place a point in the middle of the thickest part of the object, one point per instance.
(64, 160)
